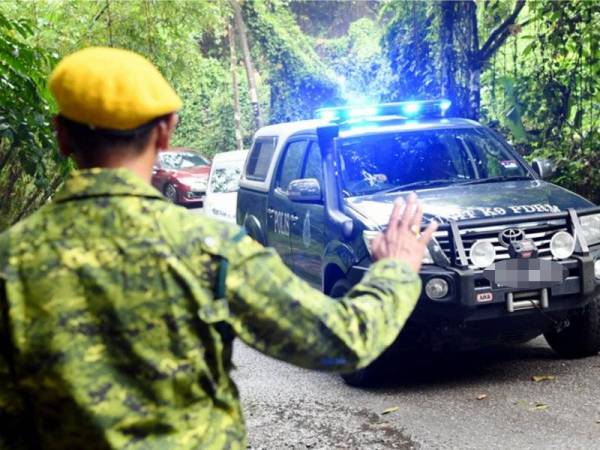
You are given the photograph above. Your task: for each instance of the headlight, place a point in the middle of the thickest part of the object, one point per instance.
(482, 254)
(590, 226)
(369, 235)
(562, 245)
(436, 288)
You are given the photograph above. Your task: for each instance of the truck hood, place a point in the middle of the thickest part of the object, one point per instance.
(502, 199)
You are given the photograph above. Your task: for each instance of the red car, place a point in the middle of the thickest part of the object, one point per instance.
(181, 175)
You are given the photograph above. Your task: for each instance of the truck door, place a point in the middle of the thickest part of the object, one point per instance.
(279, 208)
(308, 230)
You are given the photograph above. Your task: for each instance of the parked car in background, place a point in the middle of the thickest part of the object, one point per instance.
(223, 184)
(181, 175)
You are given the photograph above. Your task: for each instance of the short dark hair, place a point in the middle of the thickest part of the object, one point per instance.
(92, 145)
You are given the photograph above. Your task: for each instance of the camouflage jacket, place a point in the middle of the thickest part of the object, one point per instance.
(118, 309)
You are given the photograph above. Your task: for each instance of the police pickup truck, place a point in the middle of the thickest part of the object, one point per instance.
(514, 256)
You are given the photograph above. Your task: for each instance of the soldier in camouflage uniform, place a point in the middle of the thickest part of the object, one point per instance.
(118, 308)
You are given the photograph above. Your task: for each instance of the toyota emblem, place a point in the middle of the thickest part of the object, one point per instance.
(510, 235)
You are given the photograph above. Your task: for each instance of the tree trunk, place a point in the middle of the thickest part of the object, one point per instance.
(448, 55)
(109, 24)
(241, 30)
(474, 67)
(464, 14)
(237, 115)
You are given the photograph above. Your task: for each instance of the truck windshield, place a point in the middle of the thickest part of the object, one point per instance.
(431, 158)
(225, 180)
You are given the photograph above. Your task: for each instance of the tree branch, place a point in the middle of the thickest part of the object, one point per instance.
(527, 22)
(499, 35)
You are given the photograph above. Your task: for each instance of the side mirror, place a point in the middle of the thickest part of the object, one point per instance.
(306, 190)
(544, 168)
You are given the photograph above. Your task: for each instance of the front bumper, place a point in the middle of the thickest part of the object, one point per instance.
(459, 321)
(191, 197)
(472, 297)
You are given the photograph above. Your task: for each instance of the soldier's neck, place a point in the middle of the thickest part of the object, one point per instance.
(140, 164)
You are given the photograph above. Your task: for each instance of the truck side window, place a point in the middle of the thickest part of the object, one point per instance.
(260, 159)
(314, 167)
(292, 164)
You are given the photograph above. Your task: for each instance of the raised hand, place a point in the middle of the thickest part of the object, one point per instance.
(402, 238)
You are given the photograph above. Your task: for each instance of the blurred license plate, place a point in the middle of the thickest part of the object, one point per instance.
(524, 273)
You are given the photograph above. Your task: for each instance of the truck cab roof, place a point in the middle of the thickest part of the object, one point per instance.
(387, 125)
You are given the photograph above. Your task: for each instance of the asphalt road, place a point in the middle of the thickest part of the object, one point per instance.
(477, 400)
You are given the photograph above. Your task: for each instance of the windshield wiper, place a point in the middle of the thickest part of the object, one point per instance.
(498, 179)
(420, 184)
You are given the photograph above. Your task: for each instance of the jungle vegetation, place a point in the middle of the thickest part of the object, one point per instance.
(529, 68)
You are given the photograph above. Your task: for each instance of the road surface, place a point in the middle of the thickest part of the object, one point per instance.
(478, 400)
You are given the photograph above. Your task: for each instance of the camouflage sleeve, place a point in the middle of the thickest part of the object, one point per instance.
(10, 403)
(274, 311)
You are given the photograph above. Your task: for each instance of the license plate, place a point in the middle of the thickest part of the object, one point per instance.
(524, 273)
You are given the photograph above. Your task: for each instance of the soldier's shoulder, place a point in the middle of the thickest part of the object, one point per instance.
(213, 235)
(28, 229)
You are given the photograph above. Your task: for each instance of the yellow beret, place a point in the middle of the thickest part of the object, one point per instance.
(111, 88)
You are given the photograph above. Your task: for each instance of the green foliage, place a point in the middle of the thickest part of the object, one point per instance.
(299, 81)
(358, 61)
(407, 41)
(550, 75)
(29, 161)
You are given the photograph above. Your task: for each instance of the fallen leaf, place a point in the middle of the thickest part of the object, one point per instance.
(391, 410)
(538, 378)
(482, 397)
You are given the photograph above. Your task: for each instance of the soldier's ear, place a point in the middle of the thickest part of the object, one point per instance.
(62, 138)
(165, 129)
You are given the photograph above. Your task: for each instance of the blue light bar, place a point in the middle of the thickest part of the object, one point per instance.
(362, 111)
(328, 114)
(401, 110)
(411, 108)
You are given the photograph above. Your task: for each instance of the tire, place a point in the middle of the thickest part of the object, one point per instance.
(582, 337)
(170, 192)
(367, 376)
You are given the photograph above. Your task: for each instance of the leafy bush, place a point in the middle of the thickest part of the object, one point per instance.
(30, 166)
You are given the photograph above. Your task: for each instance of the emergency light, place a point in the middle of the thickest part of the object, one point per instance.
(404, 110)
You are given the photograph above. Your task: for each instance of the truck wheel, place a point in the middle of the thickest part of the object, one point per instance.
(366, 376)
(582, 337)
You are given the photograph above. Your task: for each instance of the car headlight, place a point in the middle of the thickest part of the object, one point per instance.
(370, 235)
(482, 254)
(590, 227)
(562, 245)
(436, 288)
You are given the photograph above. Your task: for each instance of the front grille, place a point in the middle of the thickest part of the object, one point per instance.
(541, 233)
